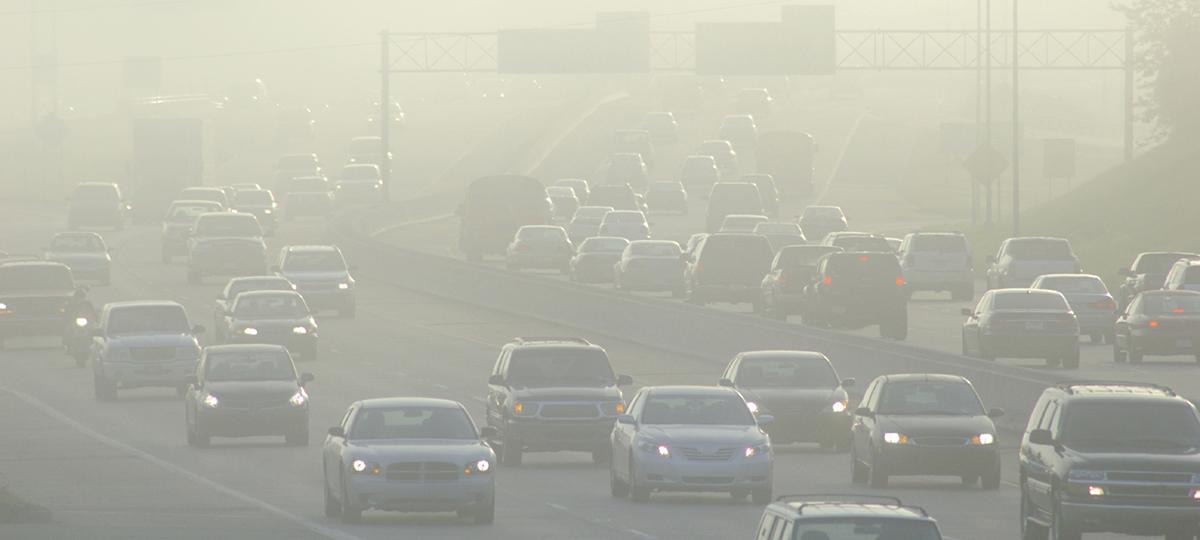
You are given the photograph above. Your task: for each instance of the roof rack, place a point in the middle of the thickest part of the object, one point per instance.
(832, 499)
(550, 339)
(1069, 386)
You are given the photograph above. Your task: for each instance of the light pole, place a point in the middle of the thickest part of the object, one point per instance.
(1016, 121)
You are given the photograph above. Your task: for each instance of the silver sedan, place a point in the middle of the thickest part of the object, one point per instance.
(409, 455)
(691, 438)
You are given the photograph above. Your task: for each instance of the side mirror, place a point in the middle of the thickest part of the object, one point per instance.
(306, 378)
(337, 431)
(488, 432)
(996, 413)
(198, 329)
(625, 419)
(1041, 436)
(864, 412)
(496, 380)
(968, 312)
(764, 419)
(849, 382)
(725, 382)
(624, 380)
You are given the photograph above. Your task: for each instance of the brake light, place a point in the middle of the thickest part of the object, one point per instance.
(1177, 310)
(828, 280)
(522, 247)
(1152, 324)
(899, 282)
(864, 258)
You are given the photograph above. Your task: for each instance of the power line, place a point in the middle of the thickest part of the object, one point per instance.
(97, 7)
(198, 56)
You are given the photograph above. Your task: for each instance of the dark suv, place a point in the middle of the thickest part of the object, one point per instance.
(1148, 272)
(553, 394)
(728, 267)
(1110, 457)
(858, 289)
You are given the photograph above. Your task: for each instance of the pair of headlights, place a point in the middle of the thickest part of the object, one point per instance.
(982, 439)
(664, 451)
(298, 330)
(363, 467)
(837, 406)
(297, 400)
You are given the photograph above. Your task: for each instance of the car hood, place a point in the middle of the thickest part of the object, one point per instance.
(1140, 460)
(559, 393)
(272, 323)
(704, 435)
(316, 276)
(284, 389)
(392, 450)
(937, 424)
(793, 398)
(152, 340)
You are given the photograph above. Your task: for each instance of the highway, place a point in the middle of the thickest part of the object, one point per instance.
(123, 469)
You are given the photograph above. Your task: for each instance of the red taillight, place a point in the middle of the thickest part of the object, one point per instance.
(828, 280)
(864, 258)
(1177, 310)
(899, 282)
(1152, 324)
(522, 247)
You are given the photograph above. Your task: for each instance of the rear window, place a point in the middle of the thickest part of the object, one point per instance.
(864, 529)
(803, 255)
(826, 212)
(35, 277)
(181, 213)
(236, 225)
(148, 320)
(541, 233)
(317, 260)
(777, 228)
(77, 243)
(1040, 250)
(360, 172)
(656, 249)
(603, 244)
(1158, 263)
(863, 266)
(96, 193)
(266, 284)
(560, 191)
(862, 243)
(1023, 300)
(1074, 284)
(940, 243)
(254, 197)
(786, 372)
(1178, 304)
(204, 194)
(624, 217)
(740, 248)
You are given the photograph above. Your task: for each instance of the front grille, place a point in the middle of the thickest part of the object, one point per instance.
(1148, 491)
(422, 471)
(695, 454)
(152, 354)
(254, 401)
(1155, 477)
(708, 479)
(940, 441)
(569, 410)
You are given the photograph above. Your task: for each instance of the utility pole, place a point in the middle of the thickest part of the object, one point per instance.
(1016, 120)
(978, 105)
(1129, 97)
(385, 115)
(987, 132)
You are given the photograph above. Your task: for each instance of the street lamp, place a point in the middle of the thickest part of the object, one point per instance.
(1016, 124)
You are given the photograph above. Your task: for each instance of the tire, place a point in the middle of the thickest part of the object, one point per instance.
(485, 514)
(1071, 360)
(333, 508)
(991, 479)
(858, 472)
(1110, 337)
(1135, 356)
(1060, 530)
(350, 513)
(105, 390)
(1030, 530)
(297, 437)
(1118, 354)
(762, 496)
(638, 494)
(617, 488)
(511, 452)
(877, 477)
(203, 439)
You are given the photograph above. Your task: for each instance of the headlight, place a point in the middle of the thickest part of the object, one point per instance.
(983, 439)
(3, 307)
(660, 450)
(299, 398)
(302, 330)
(267, 211)
(81, 321)
(481, 466)
(250, 331)
(752, 406)
(895, 438)
(211, 401)
(757, 450)
(358, 465)
(839, 406)
(1085, 475)
(343, 286)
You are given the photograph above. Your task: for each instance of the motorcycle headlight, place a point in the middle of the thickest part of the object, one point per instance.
(211, 401)
(299, 398)
(301, 330)
(250, 331)
(3, 307)
(81, 321)
(267, 211)
(983, 439)
(839, 406)
(343, 286)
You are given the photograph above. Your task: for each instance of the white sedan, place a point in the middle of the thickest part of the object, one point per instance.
(409, 455)
(691, 438)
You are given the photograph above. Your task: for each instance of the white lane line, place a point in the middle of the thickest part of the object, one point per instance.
(313, 526)
(649, 536)
(597, 522)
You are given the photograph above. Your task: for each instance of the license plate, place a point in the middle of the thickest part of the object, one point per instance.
(1183, 343)
(1035, 326)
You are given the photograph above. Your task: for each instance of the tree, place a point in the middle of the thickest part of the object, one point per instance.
(1167, 58)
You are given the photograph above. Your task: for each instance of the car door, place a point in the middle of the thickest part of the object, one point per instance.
(1121, 327)
(498, 393)
(860, 430)
(995, 268)
(332, 454)
(623, 435)
(1042, 458)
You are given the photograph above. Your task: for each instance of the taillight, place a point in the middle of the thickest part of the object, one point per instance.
(1152, 324)
(827, 281)
(899, 282)
(1177, 310)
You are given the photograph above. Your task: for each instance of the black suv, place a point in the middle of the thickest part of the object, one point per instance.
(728, 267)
(1147, 273)
(858, 289)
(1110, 457)
(553, 394)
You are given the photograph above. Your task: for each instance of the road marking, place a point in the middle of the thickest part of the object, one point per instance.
(313, 526)
(597, 522)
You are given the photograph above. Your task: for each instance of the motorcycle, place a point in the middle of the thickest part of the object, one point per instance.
(77, 336)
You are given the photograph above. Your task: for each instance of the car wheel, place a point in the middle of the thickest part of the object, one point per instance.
(1071, 360)
(762, 495)
(617, 488)
(350, 512)
(858, 471)
(297, 437)
(991, 478)
(1029, 529)
(333, 508)
(878, 476)
(1135, 356)
(510, 452)
(1110, 337)
(637, 493)
(105, 389)
(1060, 530)
(485, 514)
(1118, 354)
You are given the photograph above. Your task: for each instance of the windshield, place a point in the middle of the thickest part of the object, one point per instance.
(560, 192)
(240, 286)
(862, 243)
(249, 366)
(1074, 284)
(786, 373)
(655, 249)
(35, 277)
(790, 257)
(75, 243)
(624, 217)
(938, 243)
(1040, 250)
(1023, 300)
(148, 320)
(412, 423)
(270, 306)
(1159, 263)
(863, 266)
(929, 397)
(360, 172)
(560, 366)
(865, 529)
(314, 261)
(824, 212)
(1178, 304)
(186, 213)
(549, 234)
(1123, 425)
(777, 228)
(595, 244)
(721, 410)
(101, 192)
(254, 197)
(235, 225)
